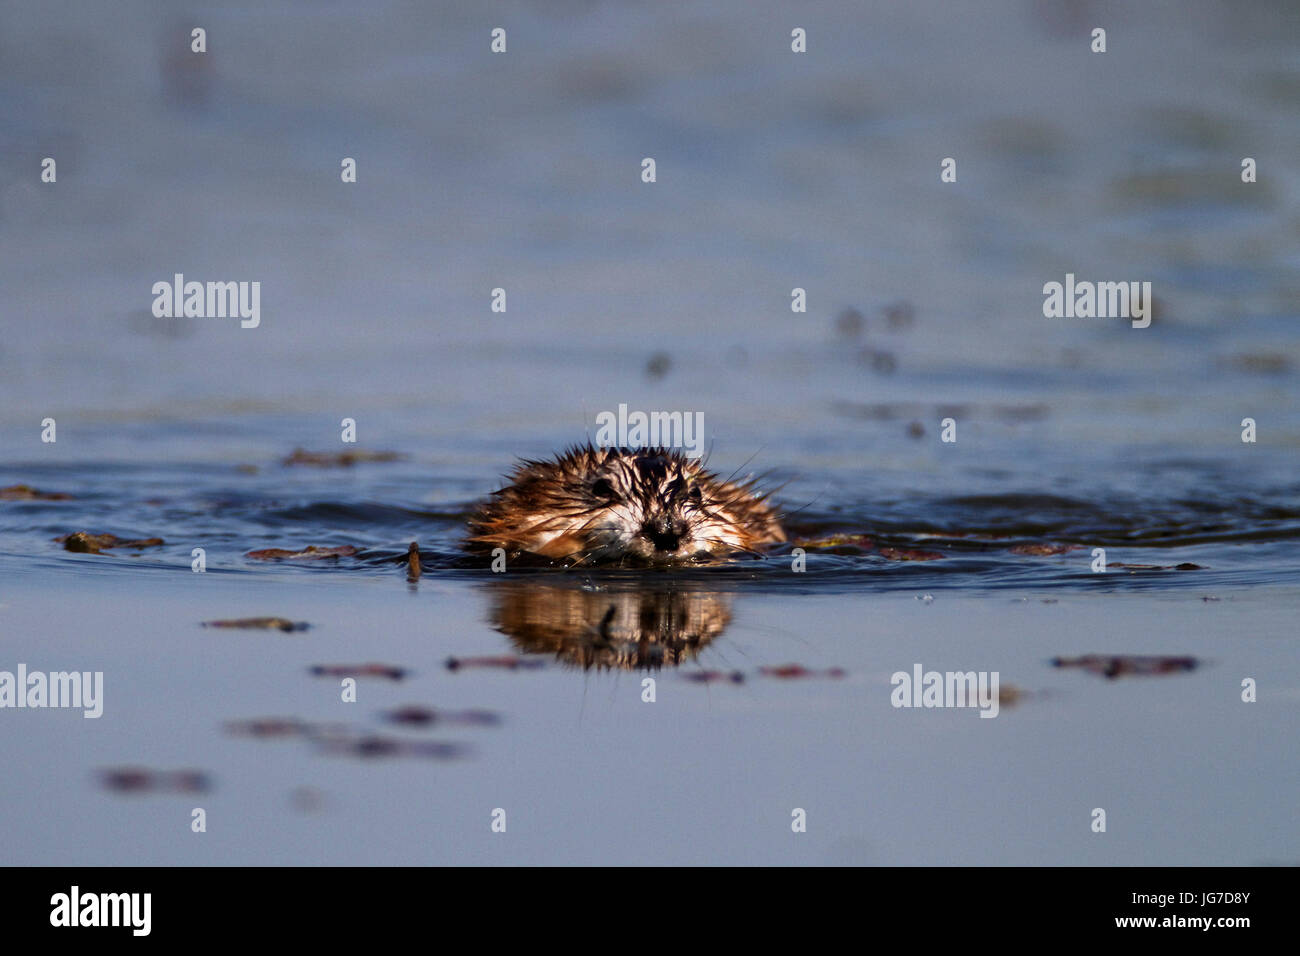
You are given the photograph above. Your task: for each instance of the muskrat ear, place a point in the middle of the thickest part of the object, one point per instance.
(601, 488)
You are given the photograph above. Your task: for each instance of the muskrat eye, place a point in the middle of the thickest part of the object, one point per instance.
(601, 488)
(696, 494)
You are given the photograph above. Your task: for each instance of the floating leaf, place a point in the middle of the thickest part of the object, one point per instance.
(86, 543)
(263, 623)
(789, 671)
(860, 541)
(28, 493)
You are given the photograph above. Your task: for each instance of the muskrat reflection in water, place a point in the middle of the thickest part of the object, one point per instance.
(603, 506)
(629, 630)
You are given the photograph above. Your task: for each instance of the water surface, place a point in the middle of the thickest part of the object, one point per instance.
(776, 171)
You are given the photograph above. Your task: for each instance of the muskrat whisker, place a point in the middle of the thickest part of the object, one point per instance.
(731, 477)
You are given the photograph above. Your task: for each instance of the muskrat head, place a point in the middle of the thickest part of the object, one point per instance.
(610, 505)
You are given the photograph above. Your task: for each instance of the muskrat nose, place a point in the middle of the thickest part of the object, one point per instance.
(664, 533)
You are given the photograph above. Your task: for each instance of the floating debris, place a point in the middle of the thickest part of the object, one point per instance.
(186, 83)
(658, 366)
(910, 554)
(142, 780)
(859, 542)
(1016, 414)
(373, 745)
(279, 727)
(714, 677)
(261, 623)
(1044, 549)
(790, 671)
(414, 715)
(306, 799)
(506, 661)
(413, 561)
(1125, 665)
(978, 536)
(1185, 566)
(1261, 363)
(879, 360)
(86, 543)
(359, 670)
(267, 727)
(850, 324)
(899, 315)
(341, 738)
(341, 459)
(922, 412)
(28, 493)
(310, 553)
(1009, 695)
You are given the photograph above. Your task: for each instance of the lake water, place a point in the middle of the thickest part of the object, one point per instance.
(775, 171)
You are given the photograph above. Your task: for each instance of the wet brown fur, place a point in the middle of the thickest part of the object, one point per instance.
(599, 506)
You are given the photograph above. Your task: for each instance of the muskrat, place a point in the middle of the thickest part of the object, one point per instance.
(624, 506)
